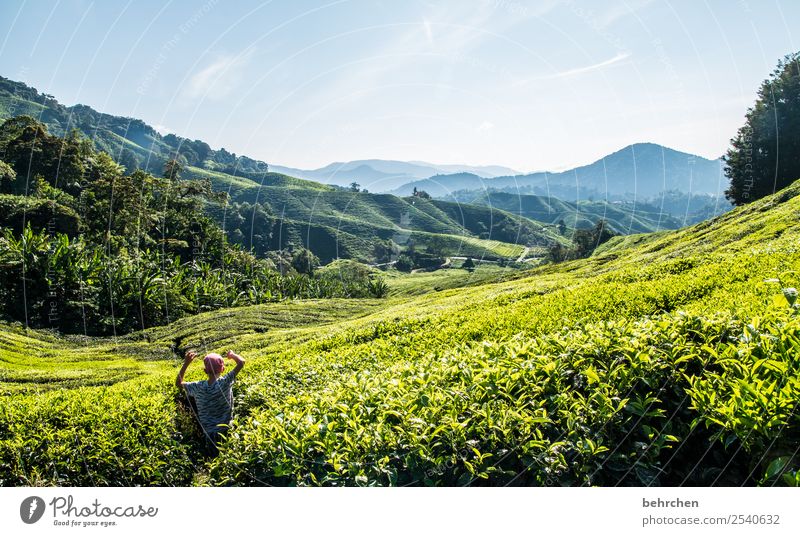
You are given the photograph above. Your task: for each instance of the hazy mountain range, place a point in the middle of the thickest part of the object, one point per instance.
(638, 171)
(385, 175)
(641, 170)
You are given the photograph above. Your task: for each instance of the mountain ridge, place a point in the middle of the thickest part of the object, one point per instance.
(639, 169)
(383, 175)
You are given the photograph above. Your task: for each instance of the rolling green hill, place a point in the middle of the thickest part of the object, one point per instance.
(338, 223)
(334, 222)
(664, 359)
(130, 141)
(622, 217)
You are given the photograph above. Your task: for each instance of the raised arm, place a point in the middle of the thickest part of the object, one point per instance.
(239, 361)
(186, 361)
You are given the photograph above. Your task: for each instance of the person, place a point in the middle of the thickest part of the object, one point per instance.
(214, 396)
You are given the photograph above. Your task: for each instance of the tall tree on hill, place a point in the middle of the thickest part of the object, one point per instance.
(304, 261)
(172, 169)
(587, 240)
(765, 154)
(469, 265)
(7, 177)
(422, 194)
(30, 150)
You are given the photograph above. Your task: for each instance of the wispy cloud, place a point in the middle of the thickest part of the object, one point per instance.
(453, 31)
(620, 57)
(220, 78)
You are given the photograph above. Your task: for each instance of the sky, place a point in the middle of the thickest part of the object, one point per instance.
(539, 85)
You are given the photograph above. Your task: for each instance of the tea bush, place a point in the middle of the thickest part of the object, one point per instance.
(665, 359)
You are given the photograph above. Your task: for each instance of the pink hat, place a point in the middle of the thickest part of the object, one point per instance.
(214, 364)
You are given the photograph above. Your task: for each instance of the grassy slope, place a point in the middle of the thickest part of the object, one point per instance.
(425, 282)
(17, 106)
(715, 270)
(623, 218)
(304, 366)
(336, 222)
(346, 211)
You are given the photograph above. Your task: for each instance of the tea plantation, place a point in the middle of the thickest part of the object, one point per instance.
(663, 359)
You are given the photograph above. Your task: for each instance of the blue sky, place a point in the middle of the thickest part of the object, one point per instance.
(529, 85)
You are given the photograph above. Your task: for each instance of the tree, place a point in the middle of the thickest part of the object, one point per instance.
(384, 250)
(587, 240)
(281, 259)
(562, 227)
(765, 154)
(129, 160)
(304, 262)
(13, 127)
(39, 214)
(254, 223)
(172, 169)
(469, 265)
(404, 263)
(422, 194)
(7, 177)
(30, 150)
(558, 252)
(355, 187)
(75, 151)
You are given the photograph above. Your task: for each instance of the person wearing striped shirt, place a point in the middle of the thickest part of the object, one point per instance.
(214, 396)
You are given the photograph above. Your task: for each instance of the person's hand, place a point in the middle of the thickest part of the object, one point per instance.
(187, 358)
(236, 357)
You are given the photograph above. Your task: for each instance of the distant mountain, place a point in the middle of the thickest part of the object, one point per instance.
(638, 171)
(385, 175)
